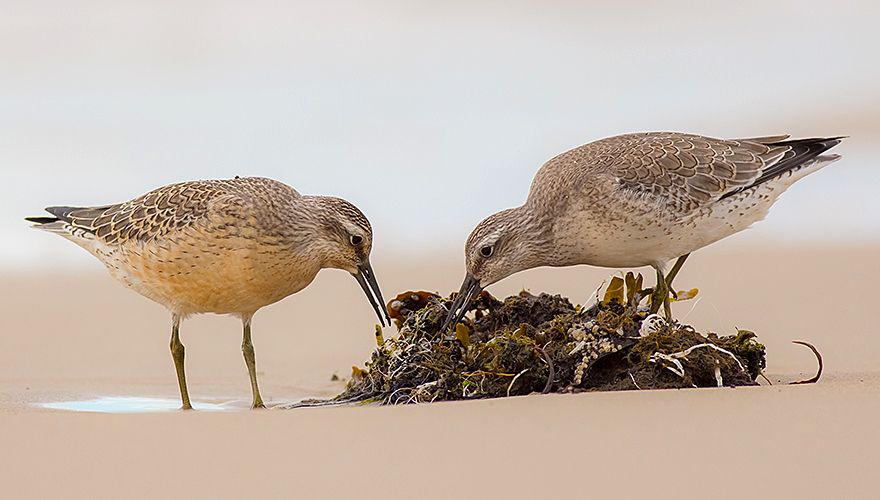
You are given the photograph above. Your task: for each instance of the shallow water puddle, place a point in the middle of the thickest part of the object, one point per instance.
(132, 404)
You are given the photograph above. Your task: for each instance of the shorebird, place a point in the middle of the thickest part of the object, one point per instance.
(637, 200)
(222, 246)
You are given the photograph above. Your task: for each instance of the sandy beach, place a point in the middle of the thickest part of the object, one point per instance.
(79, 336)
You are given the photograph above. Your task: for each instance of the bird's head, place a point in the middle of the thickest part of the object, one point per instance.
(502, 244)
(347, 239)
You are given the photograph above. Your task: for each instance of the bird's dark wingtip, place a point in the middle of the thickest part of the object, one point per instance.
(811, 143)
(836, 140)
(42, 220)
(59, 213)
(62, 213)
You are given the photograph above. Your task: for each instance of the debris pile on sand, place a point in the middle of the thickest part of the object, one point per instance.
(542, 343)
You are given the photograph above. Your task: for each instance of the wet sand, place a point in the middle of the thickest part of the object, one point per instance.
(79, 336)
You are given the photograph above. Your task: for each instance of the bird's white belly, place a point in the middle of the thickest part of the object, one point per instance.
(654, 238)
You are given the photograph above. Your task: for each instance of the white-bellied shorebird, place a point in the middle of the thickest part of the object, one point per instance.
(637, 200)
(222, 246)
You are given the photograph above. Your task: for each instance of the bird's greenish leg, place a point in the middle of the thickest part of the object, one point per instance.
(663, 289)
(660, 295)
(674, 272)
(177, 352)
(247, 348)
(656, 297)
(667, 308)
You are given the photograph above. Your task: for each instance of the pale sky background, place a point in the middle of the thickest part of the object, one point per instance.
(427, 115)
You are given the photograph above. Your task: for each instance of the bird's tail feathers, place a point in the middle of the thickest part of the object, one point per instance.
(51, 224)
(57, 224)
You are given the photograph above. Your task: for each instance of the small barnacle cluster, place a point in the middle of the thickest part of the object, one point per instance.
(593, 343)
(543, 343)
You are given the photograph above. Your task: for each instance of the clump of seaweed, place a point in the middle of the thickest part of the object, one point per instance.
(543, 343)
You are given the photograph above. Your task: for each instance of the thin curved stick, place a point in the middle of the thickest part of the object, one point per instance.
(551, 375)
(818, 357)
(509, 387)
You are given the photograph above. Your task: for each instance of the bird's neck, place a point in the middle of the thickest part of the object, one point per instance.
(308, 221)
(546, 245)
(536, 236)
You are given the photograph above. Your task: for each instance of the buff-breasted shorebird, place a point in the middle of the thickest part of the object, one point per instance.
(637, 200)
(222, 246)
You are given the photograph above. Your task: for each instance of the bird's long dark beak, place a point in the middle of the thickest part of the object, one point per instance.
(469, 289)
(367, 280)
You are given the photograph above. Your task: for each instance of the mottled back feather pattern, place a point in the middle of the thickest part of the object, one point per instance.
(683, 172)
(173, 207)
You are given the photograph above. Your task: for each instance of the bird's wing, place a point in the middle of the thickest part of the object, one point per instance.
(150, 216)
(689, 171)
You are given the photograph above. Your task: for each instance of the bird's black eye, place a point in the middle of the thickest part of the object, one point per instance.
(356, 239)
(486, 251)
